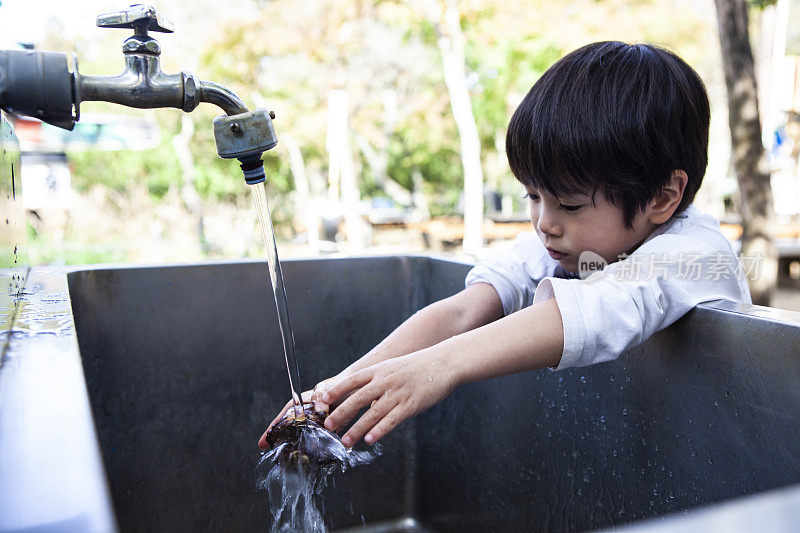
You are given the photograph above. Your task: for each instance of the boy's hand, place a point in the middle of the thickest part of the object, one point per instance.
(313, 396)
(394, 390)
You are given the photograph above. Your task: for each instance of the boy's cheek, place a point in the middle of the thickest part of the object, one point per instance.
(570, 266)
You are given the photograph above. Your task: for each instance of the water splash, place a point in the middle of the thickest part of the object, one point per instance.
(296, 471)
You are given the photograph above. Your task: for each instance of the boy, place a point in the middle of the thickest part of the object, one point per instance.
(611, 147)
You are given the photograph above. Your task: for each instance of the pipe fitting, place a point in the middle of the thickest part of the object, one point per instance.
(191, 91)
(243, 135)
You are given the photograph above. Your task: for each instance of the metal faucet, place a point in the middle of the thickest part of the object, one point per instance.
(41, 85)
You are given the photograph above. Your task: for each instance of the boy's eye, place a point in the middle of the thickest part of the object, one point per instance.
(570, 208)
(531, 196)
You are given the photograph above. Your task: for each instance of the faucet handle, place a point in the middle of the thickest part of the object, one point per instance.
(139, 17)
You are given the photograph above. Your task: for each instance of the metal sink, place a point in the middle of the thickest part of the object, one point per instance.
(183, 369)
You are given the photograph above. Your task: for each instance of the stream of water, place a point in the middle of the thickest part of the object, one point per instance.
(297, 467)
(279, 290)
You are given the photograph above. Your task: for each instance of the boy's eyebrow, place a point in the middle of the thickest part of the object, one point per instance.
(576, 196)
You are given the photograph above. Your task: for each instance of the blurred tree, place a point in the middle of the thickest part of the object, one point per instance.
(385, 54)
(450, 39)
(749, 156)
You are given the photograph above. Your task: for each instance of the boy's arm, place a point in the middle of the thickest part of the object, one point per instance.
(405, 386)
(473, 307)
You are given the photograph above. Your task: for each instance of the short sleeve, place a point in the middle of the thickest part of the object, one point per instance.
(514, 273)
(623, 305)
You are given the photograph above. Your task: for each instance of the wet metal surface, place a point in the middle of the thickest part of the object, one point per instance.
(184, 369)
(776, 510)
(51, 474)
(13, 243)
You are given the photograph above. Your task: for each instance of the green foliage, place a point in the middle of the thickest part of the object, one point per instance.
(43, 249)
(279, 58)
(422, 150)
(508, 68)
(761, 4)
(158, 168)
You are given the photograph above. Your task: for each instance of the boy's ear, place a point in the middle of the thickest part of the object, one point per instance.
(668, 198)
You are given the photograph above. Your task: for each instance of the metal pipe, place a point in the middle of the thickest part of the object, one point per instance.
(221, 96)
(142, 85)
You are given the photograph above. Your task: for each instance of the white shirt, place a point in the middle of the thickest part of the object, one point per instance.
(684, 262)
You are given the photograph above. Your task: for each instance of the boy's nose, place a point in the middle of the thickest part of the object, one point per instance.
(548, 225)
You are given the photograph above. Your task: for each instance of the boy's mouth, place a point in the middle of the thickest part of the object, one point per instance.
(555, 254)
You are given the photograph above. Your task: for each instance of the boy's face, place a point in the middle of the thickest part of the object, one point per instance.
(572, 225)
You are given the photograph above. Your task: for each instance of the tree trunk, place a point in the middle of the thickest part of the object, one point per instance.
(378, 163)
(451, 46)
(304, 207)
(191, 199)
(750, 161)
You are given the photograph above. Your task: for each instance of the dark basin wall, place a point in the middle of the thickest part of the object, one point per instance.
(706, 410)
(183, 368)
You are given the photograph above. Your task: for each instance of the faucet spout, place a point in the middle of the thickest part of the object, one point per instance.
(222, 97)
(41, 85)
(143, 85)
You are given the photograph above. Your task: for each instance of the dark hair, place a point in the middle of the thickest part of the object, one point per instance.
(613, 117)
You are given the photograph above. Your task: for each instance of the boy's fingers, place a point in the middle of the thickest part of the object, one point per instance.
(262, 442)
(387, 424)
(316, 397)
(320, 389)
(348, 384)
(319, 405)
(280, 415)
(349, 409)
(373, 415)
(306, 398)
